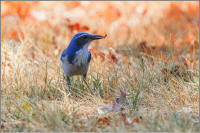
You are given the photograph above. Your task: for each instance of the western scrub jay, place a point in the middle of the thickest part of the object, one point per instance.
(76, 57)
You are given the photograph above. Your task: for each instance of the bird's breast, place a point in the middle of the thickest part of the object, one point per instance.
(81, 57)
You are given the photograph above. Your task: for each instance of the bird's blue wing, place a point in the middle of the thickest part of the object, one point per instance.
(70, 58)
(63, 55)
(89, 57)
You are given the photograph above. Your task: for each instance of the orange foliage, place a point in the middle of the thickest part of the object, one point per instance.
(193, 10)
(21, 8)
(110, 14)
(16, 34)
(175, 11)
(72, 4)
(184, 14)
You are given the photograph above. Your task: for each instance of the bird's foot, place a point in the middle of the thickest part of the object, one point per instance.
(84, 79)
(68, 81)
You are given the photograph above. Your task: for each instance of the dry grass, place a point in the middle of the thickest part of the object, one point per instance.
(150, 57)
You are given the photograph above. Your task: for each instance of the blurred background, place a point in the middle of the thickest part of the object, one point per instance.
(53, 24)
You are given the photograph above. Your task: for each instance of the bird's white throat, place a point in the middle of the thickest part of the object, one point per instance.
(82, 55)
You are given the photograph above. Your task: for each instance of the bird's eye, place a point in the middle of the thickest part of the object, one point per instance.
(84, 37)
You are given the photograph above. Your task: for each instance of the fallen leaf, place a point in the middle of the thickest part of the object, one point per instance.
(122, 94)
(136, 120)
(2, 127)
(103, 121)
(125, 119)
(112, 57)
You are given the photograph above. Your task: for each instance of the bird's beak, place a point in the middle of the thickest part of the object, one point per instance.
(94, 37)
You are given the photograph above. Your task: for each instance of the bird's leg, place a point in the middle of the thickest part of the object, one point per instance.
(84, 79)
(68, 80)
(84, 76)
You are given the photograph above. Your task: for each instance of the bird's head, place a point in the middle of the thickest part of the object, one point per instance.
(82, 39)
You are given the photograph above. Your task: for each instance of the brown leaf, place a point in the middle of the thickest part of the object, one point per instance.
(2, 127)
(105, 121)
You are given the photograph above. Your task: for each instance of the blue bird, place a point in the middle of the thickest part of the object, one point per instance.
(76, 57)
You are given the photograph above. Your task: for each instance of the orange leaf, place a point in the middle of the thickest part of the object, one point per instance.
(85, 28)
(23, 11)
(78, 27)
(112, 57)
(96, 53)
(39, 100)
(13, 34)
(75, 26)
(136, 120)
(145, 11)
